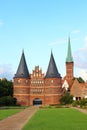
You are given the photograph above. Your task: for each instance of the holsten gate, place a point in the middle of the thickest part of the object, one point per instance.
(37, 88)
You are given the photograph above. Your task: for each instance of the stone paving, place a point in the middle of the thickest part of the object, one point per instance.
(81, 110)
(17, 121)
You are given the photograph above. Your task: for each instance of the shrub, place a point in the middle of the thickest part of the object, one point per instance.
(7, 101)
(83, 102)
(66, 99)
(76, 103)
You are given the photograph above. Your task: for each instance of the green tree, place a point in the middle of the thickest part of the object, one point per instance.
(6, 93)
(7, 101)
(66, 98)
(6, 88)
(80, 80)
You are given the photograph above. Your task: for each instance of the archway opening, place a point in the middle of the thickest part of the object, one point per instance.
(37, 101)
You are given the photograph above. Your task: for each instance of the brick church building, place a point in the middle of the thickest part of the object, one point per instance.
(37, 88)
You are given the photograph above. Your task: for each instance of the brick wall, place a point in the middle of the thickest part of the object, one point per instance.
(69, 71)
(48, 90)
(22, 90)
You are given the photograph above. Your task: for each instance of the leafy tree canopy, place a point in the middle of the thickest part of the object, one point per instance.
(66, 98)
(80, 79)
(6, 88)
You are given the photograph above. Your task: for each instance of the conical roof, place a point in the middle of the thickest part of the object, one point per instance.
(69, 57)
(22, 71)
(52, 71)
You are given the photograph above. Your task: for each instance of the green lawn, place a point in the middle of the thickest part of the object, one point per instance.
(8, 112)
(57, 119)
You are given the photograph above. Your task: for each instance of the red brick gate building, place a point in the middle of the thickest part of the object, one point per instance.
(37, 88)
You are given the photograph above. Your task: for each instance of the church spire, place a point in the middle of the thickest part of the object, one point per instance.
(69, 53)
(69, 63)
(22, 71)
(52, 71)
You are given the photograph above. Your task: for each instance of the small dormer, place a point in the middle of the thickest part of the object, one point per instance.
(65, 85)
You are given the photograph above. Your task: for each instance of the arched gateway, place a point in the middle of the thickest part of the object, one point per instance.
(37, 101)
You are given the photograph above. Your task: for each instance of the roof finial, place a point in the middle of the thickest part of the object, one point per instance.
(22, 50)
(69, 39)
(51, 51)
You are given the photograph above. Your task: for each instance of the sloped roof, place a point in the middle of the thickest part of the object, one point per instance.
(69, 57)
(77, 88)
(22, 71)
(52, 71)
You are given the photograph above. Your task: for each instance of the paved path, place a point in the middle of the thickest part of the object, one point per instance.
(17, 121)
(81, 110)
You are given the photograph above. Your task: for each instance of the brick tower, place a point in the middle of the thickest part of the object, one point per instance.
(22, 83)
(69, 63)
(53, 85)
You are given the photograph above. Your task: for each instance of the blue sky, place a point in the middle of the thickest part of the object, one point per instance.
(37, 26)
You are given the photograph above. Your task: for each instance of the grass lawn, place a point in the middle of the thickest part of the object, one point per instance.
(8, 112)
(57, 119)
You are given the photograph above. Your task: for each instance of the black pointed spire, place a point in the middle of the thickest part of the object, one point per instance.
(52, 71)
(22, 71)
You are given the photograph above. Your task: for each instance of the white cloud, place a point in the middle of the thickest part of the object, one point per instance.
(57, 42)
(61, 41)
(83, 74)
(75, 31)
(80, 56)
(80, 59)
(6, 71)
(86, 41)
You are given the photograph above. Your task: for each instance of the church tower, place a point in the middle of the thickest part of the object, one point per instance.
(69, 63)
(53, 89)
(22, 82)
